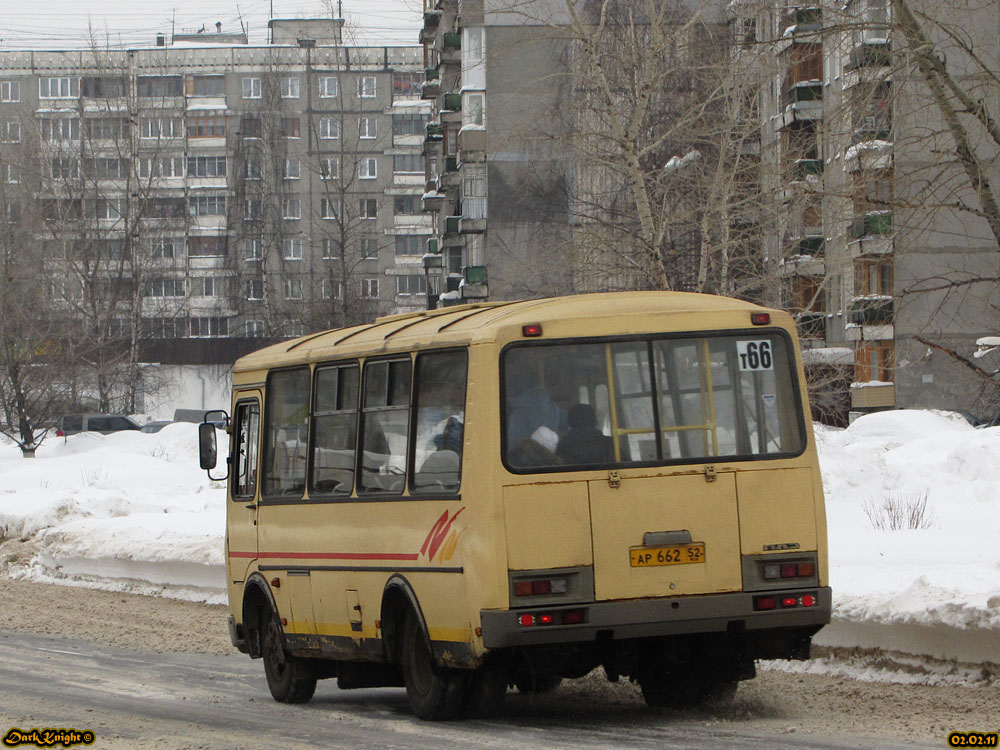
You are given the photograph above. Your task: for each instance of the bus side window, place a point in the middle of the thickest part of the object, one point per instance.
(286, 419)
(440, 421)
(385, 426)
(335, 425)
(247, 429)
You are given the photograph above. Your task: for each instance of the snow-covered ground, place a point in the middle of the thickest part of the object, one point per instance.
(134, 511)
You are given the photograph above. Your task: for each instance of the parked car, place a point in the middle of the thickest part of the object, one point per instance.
(71, 424)
(156, 425)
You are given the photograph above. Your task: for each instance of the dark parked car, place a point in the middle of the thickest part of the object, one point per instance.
(103, 423)
(155, 425)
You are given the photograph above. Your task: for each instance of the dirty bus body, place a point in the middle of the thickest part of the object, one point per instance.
(506, 494)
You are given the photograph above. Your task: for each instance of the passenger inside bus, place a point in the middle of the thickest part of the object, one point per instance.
(584, 443)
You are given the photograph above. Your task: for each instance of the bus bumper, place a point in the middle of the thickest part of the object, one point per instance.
(650, 618)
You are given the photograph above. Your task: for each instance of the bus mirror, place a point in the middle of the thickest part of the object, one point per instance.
(208, 451)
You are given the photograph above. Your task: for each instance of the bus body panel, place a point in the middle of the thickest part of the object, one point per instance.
(623, 515)
(777, 510)
(548, 525)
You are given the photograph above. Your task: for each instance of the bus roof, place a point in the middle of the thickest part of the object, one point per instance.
(464, 324)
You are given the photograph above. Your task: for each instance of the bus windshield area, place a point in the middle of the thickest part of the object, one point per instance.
(651, 400)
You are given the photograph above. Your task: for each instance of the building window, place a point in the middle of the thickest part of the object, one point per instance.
(290, 127)
(165, 288)
(293, 169)
(369, 288)
(290, 87)
(165, 248)
(329, 87)
(406, 205)
(408, 164)
(209, 327)
(331, 248)
(207, 247)
(327, 208)
(873, 361)
(209, 286)
(409, 124)
(206, 166)
(411, 285)
(330, 289)
(472, 45)
(368, 168)
(206, 127)
(366, 87)
(207, 86)
(368, 208)
(368, 128)
(291, 248)
(64, 167)
(329, 128)
(369, 248)
(474, 108)
(251, 127)
(251, 250)
(163, 208)
(251, 209)
(105, 128)
(329, 169)
(207, 205)
(255, 329)
(107, 208)
(160, 86)
(406, 84)
(474, 192)
(410, 245)
(13, 174)
(12, 132)
(251, 88)
(293, 288)
(255, 289)
(10, 91)
(103, 87)
(291, 207)
(252, 169)
(160, 127)
(166, 166)
(104, 168)
(59, 87)
(60, 128)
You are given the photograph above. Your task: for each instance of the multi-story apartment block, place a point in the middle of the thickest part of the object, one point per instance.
(882, 262)
(496, 160)
(210, 194)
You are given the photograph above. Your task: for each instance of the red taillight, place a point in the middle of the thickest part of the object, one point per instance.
(572, 618)
(522, 588)
(532, 329)
(545, 619)
(760, 318)
(808, 600)
(789, 601)
(527, 620)
(764, 602)
(788, 570)
(805, 569)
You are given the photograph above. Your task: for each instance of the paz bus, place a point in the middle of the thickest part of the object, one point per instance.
(505, 495)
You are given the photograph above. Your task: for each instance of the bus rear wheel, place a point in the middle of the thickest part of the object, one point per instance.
(672, 690)
(435, 694)
(289, 681)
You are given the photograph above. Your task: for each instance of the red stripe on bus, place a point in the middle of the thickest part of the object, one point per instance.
(329, 555)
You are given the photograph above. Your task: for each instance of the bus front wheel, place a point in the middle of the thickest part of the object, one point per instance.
(289, 681)
(434, 693)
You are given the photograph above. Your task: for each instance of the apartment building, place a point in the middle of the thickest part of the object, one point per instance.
(886, 259)
(213, 195)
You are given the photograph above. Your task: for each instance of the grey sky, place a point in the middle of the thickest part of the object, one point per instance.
(66, 23)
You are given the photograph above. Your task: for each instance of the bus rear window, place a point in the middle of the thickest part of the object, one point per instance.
(665, 400)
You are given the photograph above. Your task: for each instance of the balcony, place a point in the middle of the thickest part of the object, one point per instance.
(872, 223)
(812, 246)
(796, 20)
(475, 283)
(449, 177)
(875, 310)
(811, 325)
(432, 201)
(803, 102)
(873, 395)
(472, 144)
(433, 131)
(874, 52)
(451, 224)
(431, 86)
(803, 168)
(453, 102)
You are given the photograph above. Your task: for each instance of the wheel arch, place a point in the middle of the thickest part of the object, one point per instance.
(256, 596)
(398, 596)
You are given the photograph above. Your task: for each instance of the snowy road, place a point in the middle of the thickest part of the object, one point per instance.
(181, 700)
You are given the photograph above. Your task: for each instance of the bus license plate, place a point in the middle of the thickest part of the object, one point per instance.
(678, 554)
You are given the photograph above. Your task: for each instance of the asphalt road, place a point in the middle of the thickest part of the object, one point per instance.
(134, 699)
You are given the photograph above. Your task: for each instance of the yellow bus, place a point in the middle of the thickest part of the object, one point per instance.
(499, 495)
